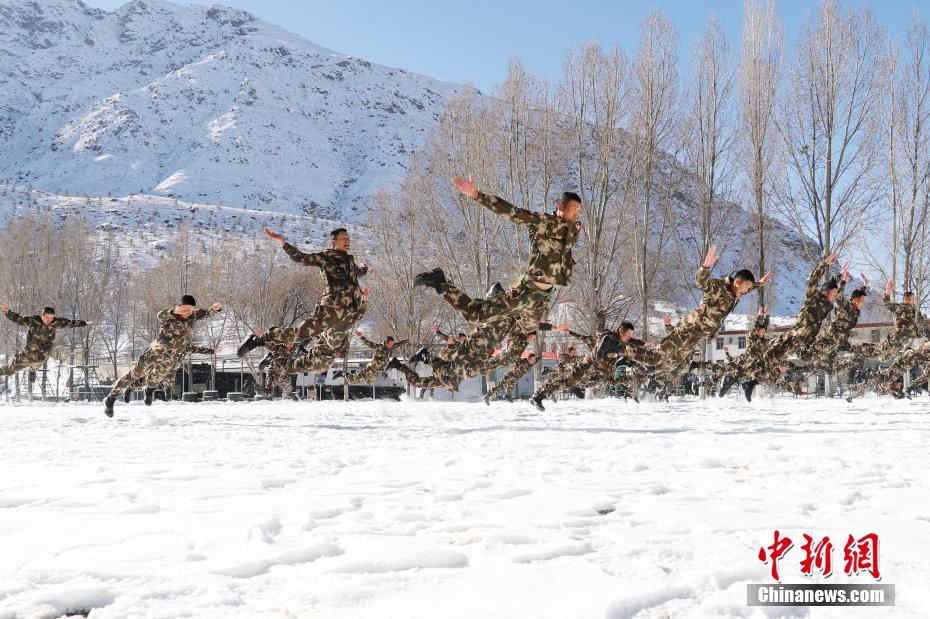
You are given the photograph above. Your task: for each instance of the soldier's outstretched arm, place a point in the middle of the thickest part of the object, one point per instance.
(10, 314)
(813, 280)
(402, 342)
(202, 313)
(165, 315)
(365, 340)
(201, 350)
(496, 205)
(65, 323)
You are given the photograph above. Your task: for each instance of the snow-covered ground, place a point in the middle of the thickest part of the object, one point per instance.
(418, 509)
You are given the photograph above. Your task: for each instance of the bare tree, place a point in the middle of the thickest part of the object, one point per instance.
(759, 75)
(827, 128)
(653, 132)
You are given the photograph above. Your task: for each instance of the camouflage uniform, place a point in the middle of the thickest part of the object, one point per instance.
(40, 340)
(331, 343)
(814, 310)
(338, 308)
(550, 264)
(909, 324)
(521, 366)
(164, 374)
(381, 356)
(585, 371)
(276, 372)
(822, 353)
(677, 347)
(165, 352)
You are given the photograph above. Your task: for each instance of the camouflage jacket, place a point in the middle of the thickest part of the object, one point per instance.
(551, 240)
(816, 306)
(716, 304)
(174, 334)
(41, 337)
(338, 268)
(380, 354)
(844, 320)
(908, 321)
(755, 344)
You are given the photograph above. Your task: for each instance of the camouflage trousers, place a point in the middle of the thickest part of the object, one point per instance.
(27, 358)
(509, 380)
(331, 314)
(573, 374)
(276, 375)
(523, 300)
(149, 369)
(372, 371)
(330, 344)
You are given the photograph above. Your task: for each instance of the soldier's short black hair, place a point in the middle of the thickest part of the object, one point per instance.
(909, 293)
(571, 348)
(830, 285)
(569, 196)
(337, 232)
(49, 310)
(857, 293)
(390, 337)
(188, 300)
(532, 354)
(461, 335)
(626, 325)
(745, 275)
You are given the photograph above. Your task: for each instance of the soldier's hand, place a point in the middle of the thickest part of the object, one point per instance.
(845, 273)
(358, 333)
(88, 323)
(466, 187)
(562, 327)
(450, 341)
(216, 307)
(865, 280)
(765, 279)
(766, 310)
(6, 307)
(365, 292)
(666, 320)
(364, 264)
(831, 259)
(711, 258)
(435, 329)
(274, 236)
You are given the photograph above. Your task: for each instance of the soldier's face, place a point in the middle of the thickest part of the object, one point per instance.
(462, 339)
(858, 303)
(184, 311)
(389, 344)
(910, 299)
(47, 318)
(741, 286)
(626, 335)
(341, 242)
(831, 295)
(760, 332)
(531, 360)
(569, 211)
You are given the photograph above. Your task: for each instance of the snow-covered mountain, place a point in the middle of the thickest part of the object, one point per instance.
(210, 105)
(177, 110)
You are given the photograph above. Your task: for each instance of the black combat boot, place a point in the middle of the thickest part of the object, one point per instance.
(149, 393)
(748, 387)
(108, 405)
(249, 344)
(435, 279)
(127, 394)
(495, 288)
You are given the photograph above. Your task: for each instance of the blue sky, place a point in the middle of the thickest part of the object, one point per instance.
(474, 41)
